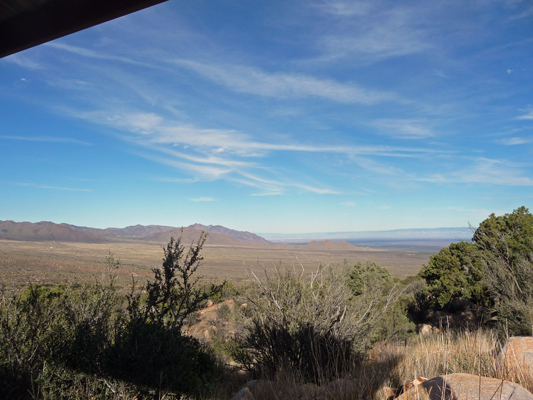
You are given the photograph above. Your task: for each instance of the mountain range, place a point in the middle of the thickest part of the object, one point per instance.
(49, 231)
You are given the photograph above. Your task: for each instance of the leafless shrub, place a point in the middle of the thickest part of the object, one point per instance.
(313, 325)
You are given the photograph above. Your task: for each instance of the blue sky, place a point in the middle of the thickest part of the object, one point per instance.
(279, 116)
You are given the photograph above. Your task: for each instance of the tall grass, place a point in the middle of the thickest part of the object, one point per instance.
(392, 365)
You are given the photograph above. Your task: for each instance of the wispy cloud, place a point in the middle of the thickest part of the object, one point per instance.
(348, 203)
(485, 171)
(49, 139)
(376, 167)
(267, 194)
(200, 199)
(212, 154)
(388, 34)
(50, 187)
(469, 210)
(178, 180)
(153, 129)
(23, 61)
(383, 207)
(251, 80)
(343, 9)
(528, 115)
(515, 141)
(80, 51)
(404, 128)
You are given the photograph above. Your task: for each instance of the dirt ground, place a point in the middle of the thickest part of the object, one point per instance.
(22, 262)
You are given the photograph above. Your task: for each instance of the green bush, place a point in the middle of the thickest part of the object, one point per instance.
(368, 280)
(82, 341)
(456, 272)
(494, 271)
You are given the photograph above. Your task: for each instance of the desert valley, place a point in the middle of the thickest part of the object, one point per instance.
(48, 253)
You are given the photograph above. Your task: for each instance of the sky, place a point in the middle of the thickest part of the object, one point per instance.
(278, 116)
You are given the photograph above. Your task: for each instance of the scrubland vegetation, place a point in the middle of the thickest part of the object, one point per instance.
(99, 341)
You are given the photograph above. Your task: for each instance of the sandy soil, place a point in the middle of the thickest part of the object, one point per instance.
(56, 262)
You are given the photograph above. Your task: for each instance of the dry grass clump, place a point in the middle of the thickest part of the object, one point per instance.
(472, 352)
(392, 365)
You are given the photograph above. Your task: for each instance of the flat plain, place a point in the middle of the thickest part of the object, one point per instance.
(23, 262)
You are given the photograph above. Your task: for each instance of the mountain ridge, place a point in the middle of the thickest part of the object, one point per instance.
(50, 231)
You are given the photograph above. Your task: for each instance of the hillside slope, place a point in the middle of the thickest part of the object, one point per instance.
(221, 230)
(46, 231)
(191, 235)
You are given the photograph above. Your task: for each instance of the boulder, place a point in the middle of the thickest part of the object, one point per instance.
(518, 352)
(425, 329)
(466, 387)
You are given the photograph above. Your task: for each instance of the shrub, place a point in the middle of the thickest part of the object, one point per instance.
(79, 341)
(456, 272)
(314, 326)
(149, 348)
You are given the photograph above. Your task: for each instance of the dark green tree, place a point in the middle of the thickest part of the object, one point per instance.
(368, 276)
(456, 272)
(507, 237)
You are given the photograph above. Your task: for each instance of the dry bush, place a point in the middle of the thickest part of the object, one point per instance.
(313, 326)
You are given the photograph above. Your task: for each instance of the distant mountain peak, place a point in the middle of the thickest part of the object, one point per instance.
(221, 230)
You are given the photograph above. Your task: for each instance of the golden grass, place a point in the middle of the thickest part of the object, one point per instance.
(472, 352)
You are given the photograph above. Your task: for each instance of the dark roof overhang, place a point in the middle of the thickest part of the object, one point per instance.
(28, 23)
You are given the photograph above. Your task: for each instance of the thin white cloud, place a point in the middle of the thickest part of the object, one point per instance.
(515, 141)
(404, 128)
(469, 210)
(392, 33)
(23, 61)
(49, 139)
(212, 154)
(344, 9)
(201, 199)
(51, 187)
(384, 208)
(246, 79)
(267, 194)
(485, 171)
(80, 51)
(348, 203)
(376, 167)
(153, 129)
(179, 180)
(527, 116)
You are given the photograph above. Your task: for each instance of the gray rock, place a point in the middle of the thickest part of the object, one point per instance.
(466, 387)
